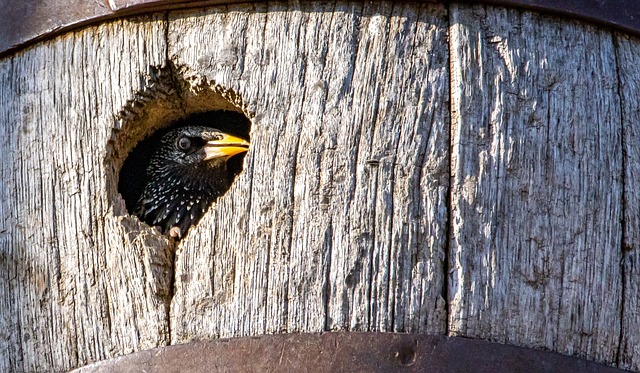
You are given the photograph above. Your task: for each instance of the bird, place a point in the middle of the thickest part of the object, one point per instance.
(186, 173)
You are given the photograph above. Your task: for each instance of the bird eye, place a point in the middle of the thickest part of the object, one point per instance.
(184, 143)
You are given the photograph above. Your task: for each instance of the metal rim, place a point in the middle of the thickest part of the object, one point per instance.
(26, 22)
(346, 352)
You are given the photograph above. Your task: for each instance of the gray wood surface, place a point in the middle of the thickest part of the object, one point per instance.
(462, 170)
(79, 281)
(536, 188)
(628, 58)
(339, 221)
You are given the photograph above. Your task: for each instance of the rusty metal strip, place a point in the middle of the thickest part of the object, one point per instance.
(25, 22)
(619, 14)
(29, 21)
(345, 352)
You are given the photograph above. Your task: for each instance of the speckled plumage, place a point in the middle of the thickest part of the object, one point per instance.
(181, 184)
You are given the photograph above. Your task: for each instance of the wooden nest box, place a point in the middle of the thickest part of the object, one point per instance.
(436, 170)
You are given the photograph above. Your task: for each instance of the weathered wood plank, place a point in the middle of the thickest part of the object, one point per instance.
(628, 58)
(75, 286)
(536, 182)
(339, 219)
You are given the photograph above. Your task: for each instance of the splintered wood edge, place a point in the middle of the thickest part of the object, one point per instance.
(171, 93)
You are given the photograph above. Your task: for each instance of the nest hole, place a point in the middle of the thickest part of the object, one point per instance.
(171, 101)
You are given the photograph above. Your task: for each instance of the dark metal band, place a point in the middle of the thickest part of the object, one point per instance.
(24, 22)
(345, 352)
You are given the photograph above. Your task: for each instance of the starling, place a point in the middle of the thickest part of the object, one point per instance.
(186, 174)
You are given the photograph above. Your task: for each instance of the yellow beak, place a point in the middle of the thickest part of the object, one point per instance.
(225, 147)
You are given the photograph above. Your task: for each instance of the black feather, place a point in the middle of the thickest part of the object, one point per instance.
(167, 187)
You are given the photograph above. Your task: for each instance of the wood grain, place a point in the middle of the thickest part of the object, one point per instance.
(77, 283)
(628, 58)
(536, 183)
(455, 169)
(339, 220)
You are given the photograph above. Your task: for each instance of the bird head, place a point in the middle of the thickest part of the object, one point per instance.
(198, 147)
(187, 173)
